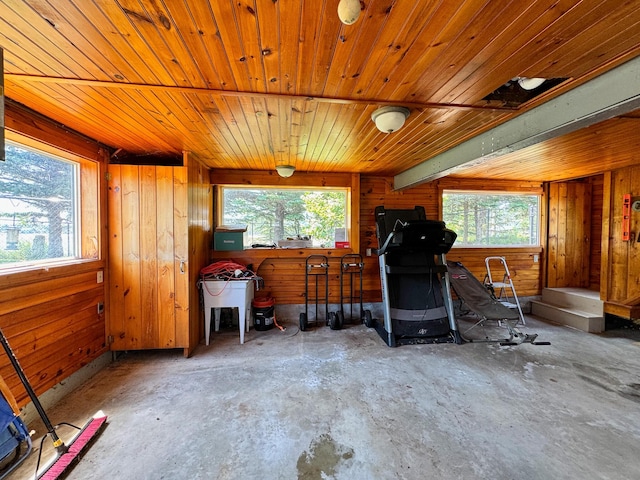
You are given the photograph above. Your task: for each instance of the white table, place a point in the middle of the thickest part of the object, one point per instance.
(219, 294)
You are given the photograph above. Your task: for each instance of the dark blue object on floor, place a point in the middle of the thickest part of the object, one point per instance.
(15, 442)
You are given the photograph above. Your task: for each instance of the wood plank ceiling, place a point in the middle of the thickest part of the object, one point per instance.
(250, 84)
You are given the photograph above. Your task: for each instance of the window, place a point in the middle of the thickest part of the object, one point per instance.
(271, 215)
(39, 197)
(487, 219)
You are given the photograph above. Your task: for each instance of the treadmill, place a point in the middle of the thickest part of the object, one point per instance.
(416, 291)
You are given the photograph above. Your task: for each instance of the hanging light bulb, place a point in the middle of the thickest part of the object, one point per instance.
(349, 11)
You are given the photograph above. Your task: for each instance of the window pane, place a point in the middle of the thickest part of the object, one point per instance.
(272, 214)
(494, 219)
(38, 195)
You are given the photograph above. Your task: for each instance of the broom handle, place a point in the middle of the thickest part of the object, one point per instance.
(29, 389)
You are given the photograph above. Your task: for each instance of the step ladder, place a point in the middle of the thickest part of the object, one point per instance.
(504, 290)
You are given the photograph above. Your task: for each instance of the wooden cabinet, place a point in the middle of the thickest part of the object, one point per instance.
(159, 225)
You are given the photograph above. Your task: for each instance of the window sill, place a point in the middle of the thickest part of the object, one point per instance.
(256, 256)
(506, 248)
(22, 274)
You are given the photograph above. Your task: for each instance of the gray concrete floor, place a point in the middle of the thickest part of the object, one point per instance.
(326, 404)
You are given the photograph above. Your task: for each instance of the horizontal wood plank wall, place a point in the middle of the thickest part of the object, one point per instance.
(524, 269)
(52, 325)
(50, 315)
(623, 257)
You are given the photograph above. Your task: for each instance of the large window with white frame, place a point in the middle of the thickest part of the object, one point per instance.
(492, 219)
(39, 207)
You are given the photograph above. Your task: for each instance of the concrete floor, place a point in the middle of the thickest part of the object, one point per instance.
(326, 404)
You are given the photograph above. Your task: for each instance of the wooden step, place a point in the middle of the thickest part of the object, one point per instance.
(629, 312)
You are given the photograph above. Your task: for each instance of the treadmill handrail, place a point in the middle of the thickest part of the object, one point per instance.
(385, 246)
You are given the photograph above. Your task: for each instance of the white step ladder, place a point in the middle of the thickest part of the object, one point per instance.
(501, 289)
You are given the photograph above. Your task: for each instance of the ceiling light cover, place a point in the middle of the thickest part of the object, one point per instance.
(349, 11)
(390, 119)
(530, 83)
(285, 170)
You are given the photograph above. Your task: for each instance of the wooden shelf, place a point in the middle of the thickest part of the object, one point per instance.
(256, 256)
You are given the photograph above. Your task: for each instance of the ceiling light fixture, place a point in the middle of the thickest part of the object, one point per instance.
(349, 11)
(530, 83)
(390, 119)
(285, 171)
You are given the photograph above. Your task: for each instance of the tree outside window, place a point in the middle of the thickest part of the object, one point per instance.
(38, 194)
(273, 214)
(492, 219)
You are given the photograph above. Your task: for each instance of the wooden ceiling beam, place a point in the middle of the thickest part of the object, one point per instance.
(18, 77)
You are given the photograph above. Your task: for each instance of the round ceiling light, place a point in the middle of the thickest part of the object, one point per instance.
(390, 119)
(285, 170)
(530, 83)
(349, 11)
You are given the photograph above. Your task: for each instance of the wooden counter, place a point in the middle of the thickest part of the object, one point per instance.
(255, 256)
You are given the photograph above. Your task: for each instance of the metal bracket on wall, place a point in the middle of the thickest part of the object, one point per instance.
(626, 217)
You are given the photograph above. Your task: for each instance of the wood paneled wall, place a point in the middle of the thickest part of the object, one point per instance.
(52, 324)
(284, 271)
(595, 255)
(159, 233)
(50, 315)
(200, 236)
(148, 253)
(524, 263)
(621, 259)
(569, 234)
(375, 191)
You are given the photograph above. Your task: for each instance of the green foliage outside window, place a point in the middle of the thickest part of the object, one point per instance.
(37, 206)
(492, 219)
(272, 214)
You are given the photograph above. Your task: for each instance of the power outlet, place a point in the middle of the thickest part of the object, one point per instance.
(100, 276)
(535, 258)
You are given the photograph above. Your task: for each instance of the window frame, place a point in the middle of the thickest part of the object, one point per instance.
(533, 191)
(88, 211)
(350, 181)
(221, 189)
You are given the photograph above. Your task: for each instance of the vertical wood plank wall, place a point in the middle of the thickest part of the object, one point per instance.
(200, 228)
(147, 246)
(595, 255)
(622, 266)
(160, 222)
(569, 236)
